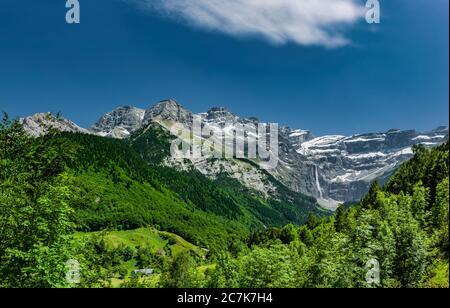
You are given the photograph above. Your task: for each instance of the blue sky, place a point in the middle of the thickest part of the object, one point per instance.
(334, 74)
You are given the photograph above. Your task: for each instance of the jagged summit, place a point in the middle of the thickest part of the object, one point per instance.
(221, 114)
(295, 136)
(123, 121)
(40, 124)
(120, 122)
(167, 104)
(168, 110)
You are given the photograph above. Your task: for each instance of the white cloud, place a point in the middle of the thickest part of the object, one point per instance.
(304, 22)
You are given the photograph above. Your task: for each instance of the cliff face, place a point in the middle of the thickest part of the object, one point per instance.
(333, 169)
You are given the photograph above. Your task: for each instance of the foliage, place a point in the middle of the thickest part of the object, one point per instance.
(35, 212)
(401, 227)
(182, 273)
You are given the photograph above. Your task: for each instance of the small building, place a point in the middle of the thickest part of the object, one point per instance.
(142, 272)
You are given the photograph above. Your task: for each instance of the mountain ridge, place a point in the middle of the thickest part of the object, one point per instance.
(332, 168)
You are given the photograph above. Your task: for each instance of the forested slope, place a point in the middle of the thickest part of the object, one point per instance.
(397, 236)
(123, 185)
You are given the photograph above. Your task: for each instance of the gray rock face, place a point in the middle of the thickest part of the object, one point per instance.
(119, 123)
(168, 110)
(220, 115)
(40, 124)
(341, 169)
(333, 169)
(295, 137)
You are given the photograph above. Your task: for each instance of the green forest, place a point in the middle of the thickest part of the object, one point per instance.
(111, 206)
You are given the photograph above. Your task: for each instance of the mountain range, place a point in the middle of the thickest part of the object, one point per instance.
(333, 169)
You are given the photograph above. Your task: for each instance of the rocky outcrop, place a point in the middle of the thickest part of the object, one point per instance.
(119, 123)
(41, 123)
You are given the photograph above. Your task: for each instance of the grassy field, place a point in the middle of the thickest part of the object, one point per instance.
(146, 237)
(150, 238)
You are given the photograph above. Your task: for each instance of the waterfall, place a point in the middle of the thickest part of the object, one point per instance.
(319, 188)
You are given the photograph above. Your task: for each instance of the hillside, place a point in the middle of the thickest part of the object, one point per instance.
(123, 252)
(396, 236)
(127, 189)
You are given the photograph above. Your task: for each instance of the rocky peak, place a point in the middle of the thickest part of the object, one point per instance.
(120, 122)
(220, 114)
(41, 123)
(295, 136)
(168, 110)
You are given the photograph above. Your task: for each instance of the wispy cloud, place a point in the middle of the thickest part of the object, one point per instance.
(304, 22)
